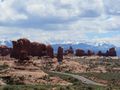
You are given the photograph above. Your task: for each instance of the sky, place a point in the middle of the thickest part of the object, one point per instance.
(61, 21)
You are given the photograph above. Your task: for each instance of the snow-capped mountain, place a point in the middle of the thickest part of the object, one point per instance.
(85, 46)
(6, 42)
(103, 46)
(95, 46)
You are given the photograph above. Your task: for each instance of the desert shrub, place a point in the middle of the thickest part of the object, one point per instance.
(11, 88)
(27, 87)
(14, 80)
(4, 66)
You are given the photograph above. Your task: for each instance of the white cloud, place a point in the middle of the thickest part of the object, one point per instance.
(104, 23)
(41, 35)
(49, 9)
(59, 20)
(8, 13)
(112, 6)
(64, 9)
(115, 40)
(61, 36)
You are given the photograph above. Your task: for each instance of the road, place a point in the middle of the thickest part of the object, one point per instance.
(81, 78)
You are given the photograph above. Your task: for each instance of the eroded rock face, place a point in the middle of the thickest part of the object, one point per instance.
(80, 52)
(38, 49)
(60, 54)
(24, 44)
(24, 55)
(90, 53)
(112, 52)
(21, 49)
(99, 53)
(50, 51)
(14, 52)
(35, 49)
(69, 51)
(106, 54)
(4, 50)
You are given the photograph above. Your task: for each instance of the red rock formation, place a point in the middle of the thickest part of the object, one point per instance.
(18, 47)
(38, 49)
(69, 51)
(4, 50)
(107, 53)
(15, 50)
(50, 52)
(112, 52)
(43, 49)
(60, 54)
(23, 48)
(80, 52)
(24, 44)
(35, 48)
(90, 53)
(23, 55)
(100, 53)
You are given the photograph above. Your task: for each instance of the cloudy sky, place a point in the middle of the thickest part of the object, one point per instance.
(59, 21)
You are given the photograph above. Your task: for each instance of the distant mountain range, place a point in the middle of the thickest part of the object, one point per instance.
(103, 46)
(85, 46)
(6, 42)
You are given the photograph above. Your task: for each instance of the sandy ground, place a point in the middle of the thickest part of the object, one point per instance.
(28, 74)
(32, 72)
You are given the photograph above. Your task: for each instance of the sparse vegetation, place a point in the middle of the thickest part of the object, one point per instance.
(104, 76)
(51, 87)
(112, 79)
(97, 70)
(26, 87)
(4, 66)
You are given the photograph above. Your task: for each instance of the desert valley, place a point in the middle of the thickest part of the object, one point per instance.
(59, 44)
(34, 66)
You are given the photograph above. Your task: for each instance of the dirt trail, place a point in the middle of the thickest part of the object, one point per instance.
(81, 78)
